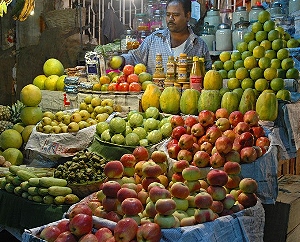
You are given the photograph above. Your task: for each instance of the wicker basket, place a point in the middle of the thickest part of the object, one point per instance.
(66, 19)
(83, 190)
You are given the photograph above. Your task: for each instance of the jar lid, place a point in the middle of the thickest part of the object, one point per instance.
(223, 26)
(208, 29)
(257, 7)
(213, 12)
(195, 58)
(242, 23)
(240, 9)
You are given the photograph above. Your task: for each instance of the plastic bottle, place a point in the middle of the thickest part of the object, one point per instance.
(197, 73)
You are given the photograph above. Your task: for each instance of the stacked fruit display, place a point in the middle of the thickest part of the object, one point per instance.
(135, 129)
(38, 185)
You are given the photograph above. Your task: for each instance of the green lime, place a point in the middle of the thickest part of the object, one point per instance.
(269, 25)
(218, 65)
(256, 73)
(237, 64)
(264, 62)
(235, 55)
(247, 83)
(256, 26)
(250, 62)
(224, 56)
(261, 84)
(277, 44)
(281, 73)
(223, 73)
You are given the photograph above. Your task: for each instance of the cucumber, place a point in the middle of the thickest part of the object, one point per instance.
(25, 195)
(48, 199)
(43, 191)
(33, 191)
(13, 169)
(9, 187)
(25, 185)
(16, 181)
(59, 200)
(18, 191)
(34, 181)
(25, 175)
(2, 182)
(37, 198)
(9, 177)
(59, 191)
(52, 181)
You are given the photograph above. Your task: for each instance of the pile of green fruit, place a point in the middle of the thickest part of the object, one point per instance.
(261, 61)
(31, 185)
(136, 129)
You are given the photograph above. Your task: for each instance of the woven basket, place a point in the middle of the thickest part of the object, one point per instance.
(83, 190)
(66, 19)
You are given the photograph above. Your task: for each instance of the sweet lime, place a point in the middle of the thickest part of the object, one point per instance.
(242, 46)
(218, 65)
(223, 90)
(292, 73)
(284, 94)
(247, 83)
(263, 16)
(30, 95)
(261, 35)
(248, 36)
(139, 68)
(256, 26)
(287, 63)
(259, 51)
(280, 30)
(231, 73)
(292, 43)
(264, 62)
(273, 35)
(282, 54)
(281, 73)
(266, 44)
(276, 84)
(250, 62)
(246, 54)
(252, 44)
(228, 65)
(277, 44)
(237, 64)
(286, 36)
(223, 73)
(256, 73)
(241, 73)
(235, 55)
(269, 25)
(270, 54)
(233, 83)
(275, 63)
(53, 66)
(270, 73)
(261, 84)
(39, 81)
(225, 56)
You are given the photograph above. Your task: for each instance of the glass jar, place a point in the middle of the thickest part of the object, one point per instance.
(294, 5)
(208, 35)
(275, 10)
(156, 21)
(226, 16)
(141, 22)
(128, 41)
(241, 27)
(213, 17)
(253, 14)
(240, 12)
(223, 37)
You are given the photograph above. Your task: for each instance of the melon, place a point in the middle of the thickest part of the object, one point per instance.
(30, 95)
(212, 80)
(169, 100)
(189, 101)
(53, 66)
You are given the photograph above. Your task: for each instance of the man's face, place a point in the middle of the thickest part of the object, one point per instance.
(176, 19)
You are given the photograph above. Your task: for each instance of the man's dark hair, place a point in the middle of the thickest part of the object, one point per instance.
(186, 4)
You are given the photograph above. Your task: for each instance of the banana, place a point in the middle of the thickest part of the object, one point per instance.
(1, 9)
(4, 6)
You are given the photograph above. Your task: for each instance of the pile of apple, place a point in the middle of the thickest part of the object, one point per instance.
(211, 139)
(91, 111)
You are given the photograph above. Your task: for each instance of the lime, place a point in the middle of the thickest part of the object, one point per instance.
(228, 65)
(281, 73)
(256, 73)
(218, 65)
(241, 73)
(282, 54)
(270, 54)
(287, 63)
(292, 73)
(242, 46)
(233, 83)
(223, 90)
(248, 36)
(286, 36)
(277, 44)
(247, 83)
(269, 25)
(263, 16)
(280, 30)
(238, 64)
(256, 26)
(275, 63)
(231, 73)
(270, 73)
(264, 62)
(259, 52)
(261, 35)
(261, 84)
(276, 84)
(250, 62)
(273, 35)
(292, 43)
(266, 44)
(252, 44)
(284, 94)
(225, 56)
(223, 73)
(246, 54)
(235, 55)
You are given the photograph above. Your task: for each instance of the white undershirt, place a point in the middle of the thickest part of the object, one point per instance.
(179, 49)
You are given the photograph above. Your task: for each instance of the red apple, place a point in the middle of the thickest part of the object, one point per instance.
(192, 173)
(164, 180)
(125, 230)
(171, 142)
(110, 203)
(138, 167)
(111, 188)
(188, 221)
(63, 225)
(173, 151)
(203, 200)
(197, 130)
(206, 118)
(103, 234)
(259, 151)
(248, 154)
(141, 153)
(151, 169)
(185, 155)
(242, 127)
(217, 160)
(257, 131)
(206, 146)
(248, 185)
(212, 133)
(179, 190)
(217, 207)
(235, 117)
(88, 238)
(132, 206)
(176, 120)
(251, 117)
(93, 204)
(66, 236)
(224, 145)
(113, 169)
(223, 124)
(165, 206)
(201, 159)
(165, 221)
(235, 192)
(159, 156)
(133, 186)
(190, 121)
(50, 233)
(231, 167)
(230, 134)
(193, 186)
(150, 232)
(142, 196)
(246, 139)
(263, 141)
(222, 113)
(80, 208)
(124, 193)
(204, 215)
(233, 156)
(177, 177)
(217, 192)
(158, 192)
(150, 210)
(226, 212)
(177, 132)
(216, 177)
(228, 201)
(186, 141)
(81, 224)
(128, 160)
(179, 165)
(247, 199)
(146, 181)
(128, 69)
(113, 216)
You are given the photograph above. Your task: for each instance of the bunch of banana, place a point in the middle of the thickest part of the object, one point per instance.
(3, 7)
(23, 13)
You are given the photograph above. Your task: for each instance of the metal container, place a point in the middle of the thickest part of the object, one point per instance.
(223, 37)
(240, 12)
(213, 17)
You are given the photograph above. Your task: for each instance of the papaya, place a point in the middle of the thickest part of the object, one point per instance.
(209, 100)
(267, 106)
(212, 80)
(248, 101)
(189, 101)
(150, 97)
(230, 101)
(239, 92)
(169, 100)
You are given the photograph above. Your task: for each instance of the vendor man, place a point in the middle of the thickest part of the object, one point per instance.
(177, 38)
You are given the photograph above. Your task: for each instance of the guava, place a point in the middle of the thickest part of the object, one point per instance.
(136, 120)
(154, 136)
(132, 139)
(150, 124)
(117, 125)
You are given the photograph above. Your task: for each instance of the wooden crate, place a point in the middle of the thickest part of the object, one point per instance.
(282, 219)
(291, 166)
